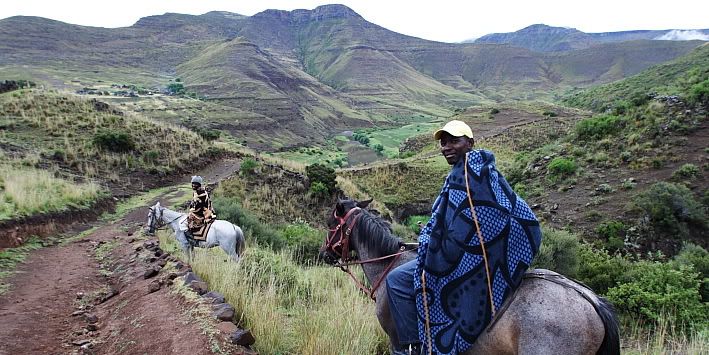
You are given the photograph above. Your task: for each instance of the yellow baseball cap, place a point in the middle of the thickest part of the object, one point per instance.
(456, 129)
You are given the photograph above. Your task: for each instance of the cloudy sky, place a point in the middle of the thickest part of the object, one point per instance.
(440, 20)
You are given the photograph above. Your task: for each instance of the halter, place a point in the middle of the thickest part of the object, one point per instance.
(340, 247)
(159, 223)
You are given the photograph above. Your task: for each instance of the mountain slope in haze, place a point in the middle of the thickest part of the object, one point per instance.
(286, 103)
(308, 73)
(543, 38)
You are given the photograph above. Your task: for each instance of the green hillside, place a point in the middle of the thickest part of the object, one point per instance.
(677, 77)
(56, 145)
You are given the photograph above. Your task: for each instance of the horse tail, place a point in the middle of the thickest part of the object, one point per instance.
(611, 339)
(239, 240)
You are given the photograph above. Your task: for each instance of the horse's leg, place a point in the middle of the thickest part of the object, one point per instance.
(187, 248)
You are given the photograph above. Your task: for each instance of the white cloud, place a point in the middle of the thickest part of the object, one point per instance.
(683, 35)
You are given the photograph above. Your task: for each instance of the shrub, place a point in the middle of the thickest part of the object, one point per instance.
(494, 111)
(671, 209)
(230, 210)
(361, 137)
(304, 240)
(378, 148)
(319, 190)
(520, 189)
(323, 174)
(114, 141)
(559, 252)
(599, 270)
(248, 166)
(699, 93)
(659, 289)
(549, 113)
(614, 233)
(562, 166)
(686, 171)
(208, 134)
(698, 258)
(413, 221)
(598, 127)
(175, 89)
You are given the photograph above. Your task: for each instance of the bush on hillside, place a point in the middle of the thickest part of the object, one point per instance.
(559, 252)
(699, 93)
(656, 290)
(361, 137)
(562, 167)
(323, 174)
(230, 210)
(598, 127)
(304, 240)
(208, 134)
(698, 258)
(686, 171)
(599, 270)
(614, 234)
(248, 166)
(318, 190)
(114, 141)
(378, 148)
(175, 89)
(671, 210)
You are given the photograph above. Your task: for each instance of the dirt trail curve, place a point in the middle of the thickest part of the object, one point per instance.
(62, 297)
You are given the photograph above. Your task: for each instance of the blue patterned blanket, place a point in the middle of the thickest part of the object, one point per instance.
(451, 255)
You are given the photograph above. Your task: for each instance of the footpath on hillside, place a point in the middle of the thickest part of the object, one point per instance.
(91, 293)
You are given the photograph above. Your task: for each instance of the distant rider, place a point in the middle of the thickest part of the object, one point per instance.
(201, 211)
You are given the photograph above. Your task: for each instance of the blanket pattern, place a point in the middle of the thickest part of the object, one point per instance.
(450, 254)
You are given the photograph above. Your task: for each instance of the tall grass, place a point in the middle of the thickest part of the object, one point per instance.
(662, 337)
(65, 128)
(27, 191)
(291, 309)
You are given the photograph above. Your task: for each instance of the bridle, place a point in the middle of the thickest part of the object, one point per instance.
(156, 222)
(340, 247)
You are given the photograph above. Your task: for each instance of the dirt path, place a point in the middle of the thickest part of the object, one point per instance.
(93, 292)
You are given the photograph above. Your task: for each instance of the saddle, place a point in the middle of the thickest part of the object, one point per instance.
(199, 227)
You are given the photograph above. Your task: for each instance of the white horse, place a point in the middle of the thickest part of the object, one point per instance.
(223, 233)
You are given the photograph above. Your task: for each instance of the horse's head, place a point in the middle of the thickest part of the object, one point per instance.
(340, 224)
(154, 217)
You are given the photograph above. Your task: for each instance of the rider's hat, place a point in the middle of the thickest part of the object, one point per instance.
(456, 129)
(197, 179)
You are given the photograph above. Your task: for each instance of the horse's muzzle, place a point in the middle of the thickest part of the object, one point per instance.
(327, 257)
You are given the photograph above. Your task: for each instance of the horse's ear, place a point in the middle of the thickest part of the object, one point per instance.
(365, 203)
(340, 208)
(157, 204)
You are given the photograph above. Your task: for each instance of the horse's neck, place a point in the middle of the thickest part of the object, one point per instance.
(373, 271)
(170, 216)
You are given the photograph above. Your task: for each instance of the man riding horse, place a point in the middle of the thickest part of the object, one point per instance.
(201, 212)
(472, 254)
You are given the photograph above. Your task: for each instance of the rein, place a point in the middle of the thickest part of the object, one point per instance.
(344, 252)
(159, 223)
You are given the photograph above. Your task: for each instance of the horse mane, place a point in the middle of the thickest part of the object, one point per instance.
(376, 234)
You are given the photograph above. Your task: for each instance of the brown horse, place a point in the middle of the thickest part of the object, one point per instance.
(549, 314)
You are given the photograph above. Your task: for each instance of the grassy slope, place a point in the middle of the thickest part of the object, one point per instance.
(664, 79)
(55, 132)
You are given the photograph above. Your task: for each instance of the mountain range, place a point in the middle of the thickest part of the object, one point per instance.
(286, 78)
(543, 38)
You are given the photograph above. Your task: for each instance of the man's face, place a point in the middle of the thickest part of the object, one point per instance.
(195, 186)
(454, 148)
